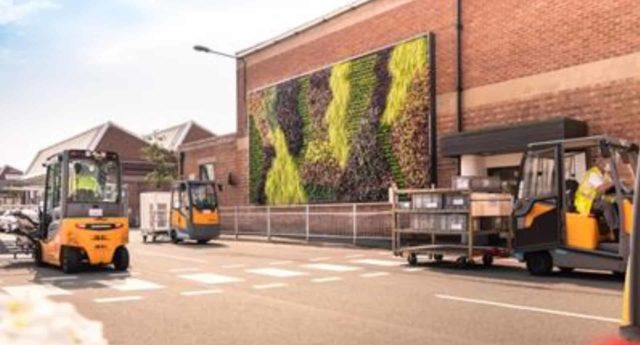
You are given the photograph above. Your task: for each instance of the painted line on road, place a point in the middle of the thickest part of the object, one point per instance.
(269, 286)
(123, 274)
(200, 292)
(234, 266)
(354, 256)
(56, 279)
(413, 269)
(211, 278)
(374, 274)
(277, 263)
(324, 258)
(326, 280)
(376, 262)
(276, 272)
(175, 257)
(332, 267)
(117, 299)
(527, 308)
(130, 284)
(182, 270)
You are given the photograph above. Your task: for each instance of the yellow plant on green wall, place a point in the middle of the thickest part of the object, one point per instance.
(336, 117)
(407, 60)
(284, 185)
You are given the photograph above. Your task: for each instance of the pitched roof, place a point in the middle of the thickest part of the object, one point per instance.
(8, 171)
(171, 138)
(87, 140)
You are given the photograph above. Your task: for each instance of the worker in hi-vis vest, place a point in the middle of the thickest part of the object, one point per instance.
(591, 196)
(83, 186)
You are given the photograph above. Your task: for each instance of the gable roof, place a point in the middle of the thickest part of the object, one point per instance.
(171, 138)
(87, 140)
(7, 171)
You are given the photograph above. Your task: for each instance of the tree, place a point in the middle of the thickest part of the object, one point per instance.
(164, 164)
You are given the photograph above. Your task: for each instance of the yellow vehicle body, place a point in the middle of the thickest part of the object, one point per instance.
(190, 218)
(99, 246)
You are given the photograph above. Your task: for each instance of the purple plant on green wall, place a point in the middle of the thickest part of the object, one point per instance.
(287, 114)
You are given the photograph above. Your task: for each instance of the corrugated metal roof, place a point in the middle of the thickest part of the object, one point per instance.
(172, 137)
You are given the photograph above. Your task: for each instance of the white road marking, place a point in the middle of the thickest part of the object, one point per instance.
(35, 289)
(123, 274)
(354, 256)
(332, 267)
(210, 278)
(324, 258)
(55, 279)
(531, 309)
(277, 263)
(276, 272)
(384, 253)
(374, 274)
(269, 286)
(234, 266)
(376, 262)
(413, 269)
(117, 299)
(200, 292)
(130, 284)
(186, 269)
(326, 279)
(175, 257)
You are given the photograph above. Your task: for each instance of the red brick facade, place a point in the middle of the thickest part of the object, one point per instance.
(504, 41)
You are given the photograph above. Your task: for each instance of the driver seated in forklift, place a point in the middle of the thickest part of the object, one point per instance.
(83, 186)
(594, 196)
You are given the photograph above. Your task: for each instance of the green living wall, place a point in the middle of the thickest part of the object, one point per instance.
(344, 133)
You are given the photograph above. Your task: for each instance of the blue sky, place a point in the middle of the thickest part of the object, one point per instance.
(66, 66)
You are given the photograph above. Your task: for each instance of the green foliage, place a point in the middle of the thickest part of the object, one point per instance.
(318, 193)
(164, 165)
(384, 135)
(303, 110)
(319, 99)
(256, 160)
(336, 117)
(407, 60)
(284, 185)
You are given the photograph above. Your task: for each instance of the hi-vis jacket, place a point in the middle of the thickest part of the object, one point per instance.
(588, 190)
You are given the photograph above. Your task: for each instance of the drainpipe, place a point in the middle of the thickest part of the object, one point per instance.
(459, 77)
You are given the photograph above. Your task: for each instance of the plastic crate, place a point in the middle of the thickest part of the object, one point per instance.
(457, 223)
(477, 183)
(456, 201)
(427, 201)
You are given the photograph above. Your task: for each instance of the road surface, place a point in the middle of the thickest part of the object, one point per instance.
(247, 293)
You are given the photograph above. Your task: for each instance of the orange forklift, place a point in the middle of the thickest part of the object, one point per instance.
(194, 212)
(550, 232)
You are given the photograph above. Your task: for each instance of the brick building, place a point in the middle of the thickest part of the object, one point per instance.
(498, 69)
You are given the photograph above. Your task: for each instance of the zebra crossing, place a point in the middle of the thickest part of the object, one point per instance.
(206, 280)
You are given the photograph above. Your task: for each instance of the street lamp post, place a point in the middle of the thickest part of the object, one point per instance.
(207, 50)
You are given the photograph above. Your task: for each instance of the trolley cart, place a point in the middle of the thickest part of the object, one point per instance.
(442, 222)
(154, 215)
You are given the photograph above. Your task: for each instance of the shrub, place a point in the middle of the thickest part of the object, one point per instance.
(289, 120)
(283, 185)
(336, 117)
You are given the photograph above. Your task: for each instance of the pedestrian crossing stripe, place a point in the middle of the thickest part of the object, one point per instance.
(210, 278)
(377, 262)
(276, 272)
(130, 284)
(45, 290)
(332, 267)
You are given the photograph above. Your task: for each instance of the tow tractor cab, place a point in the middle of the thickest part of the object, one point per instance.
(83, 220)
(194, 211)
(549, 230)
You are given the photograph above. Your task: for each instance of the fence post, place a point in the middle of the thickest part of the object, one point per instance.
(268, 223)
(235, 221)
(355, 223)
(306, 221)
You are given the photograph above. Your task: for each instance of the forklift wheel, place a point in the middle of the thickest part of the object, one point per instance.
(487, 260)
(539, 263)
(174, 237)
(70, 260)
(121, 259)
(412, 259)
(37, 254)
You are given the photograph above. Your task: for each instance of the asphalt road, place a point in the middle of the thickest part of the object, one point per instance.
(260, 293)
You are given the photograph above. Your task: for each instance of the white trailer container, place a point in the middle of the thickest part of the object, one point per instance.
(154, 214)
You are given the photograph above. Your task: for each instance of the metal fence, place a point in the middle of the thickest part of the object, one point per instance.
(359, 224)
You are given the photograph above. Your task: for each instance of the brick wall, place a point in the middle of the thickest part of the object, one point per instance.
(228, 157)
(502, 40)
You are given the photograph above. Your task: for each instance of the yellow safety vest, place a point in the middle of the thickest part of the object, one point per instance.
(84, 182)
(587, 194)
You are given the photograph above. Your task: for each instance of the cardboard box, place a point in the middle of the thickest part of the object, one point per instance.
(491, 205)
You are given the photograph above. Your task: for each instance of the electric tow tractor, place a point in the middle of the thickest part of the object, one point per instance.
(194, 211)
(83, 219)
(557, 228)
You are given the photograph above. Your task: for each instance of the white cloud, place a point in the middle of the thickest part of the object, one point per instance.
(13, 11)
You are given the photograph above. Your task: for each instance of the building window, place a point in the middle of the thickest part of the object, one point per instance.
(207, 172)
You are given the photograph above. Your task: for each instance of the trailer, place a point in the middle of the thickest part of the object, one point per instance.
(154, 215)
(439, 223)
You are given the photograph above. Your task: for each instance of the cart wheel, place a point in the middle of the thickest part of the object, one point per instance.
(462, 262)
(487, 260)
(438, 257)
(566, 270)
(37, 254)
(144, 238)
(153, 239)
(539, 263)
(174, 237)
(412, 259)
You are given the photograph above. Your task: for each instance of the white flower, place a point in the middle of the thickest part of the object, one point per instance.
(36, 320)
